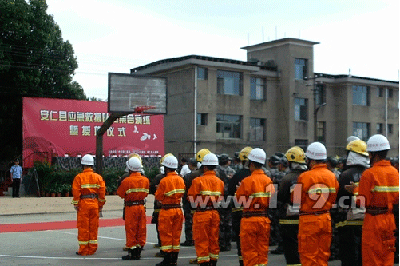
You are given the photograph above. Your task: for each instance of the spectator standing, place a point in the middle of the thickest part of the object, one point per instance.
(16, 176)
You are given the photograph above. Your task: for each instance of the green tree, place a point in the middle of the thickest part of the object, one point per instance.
(35, 61)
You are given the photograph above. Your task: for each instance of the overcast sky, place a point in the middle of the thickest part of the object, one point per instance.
(115, 36)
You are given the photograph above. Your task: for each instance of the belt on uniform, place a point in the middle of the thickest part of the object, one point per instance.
(207, 208)
(377, 210)
(134, 202)
(170, 206)
(253, 214)
(90, 196)
(313, 213)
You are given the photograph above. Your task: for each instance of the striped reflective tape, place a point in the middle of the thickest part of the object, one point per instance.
(344, 223)
(261, 195)
(210, 193)
(90, 186)
(294, 264)
(133, 190)
(92, 241)
(178, 247)
(213, 256)
(205, 258)
(74, 202)
(288, 221)
(83, 242)
(321, 190)
(101, 200)
(385, 189)
(166, 247)
(175, 191)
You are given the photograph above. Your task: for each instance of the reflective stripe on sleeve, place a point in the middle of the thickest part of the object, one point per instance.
(261, 195)
(210, 193)
(92, 241)
(175, 191)
(133, 190)
(344, 223)
(321, 190)
(90, 186)
(385, 189)
(74, 202)
(288, 221)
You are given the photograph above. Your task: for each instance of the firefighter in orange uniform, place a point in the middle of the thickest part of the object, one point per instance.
(134, 189)
(315, 192)
(255, 226)
(169, 193)
(89, 190)
(204, 193)
(379, 187)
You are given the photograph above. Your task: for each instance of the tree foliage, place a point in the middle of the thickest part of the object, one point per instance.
(35, 61)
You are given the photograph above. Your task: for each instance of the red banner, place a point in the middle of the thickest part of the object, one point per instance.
(59, 127)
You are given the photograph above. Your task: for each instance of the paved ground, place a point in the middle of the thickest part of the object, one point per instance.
(41, 231)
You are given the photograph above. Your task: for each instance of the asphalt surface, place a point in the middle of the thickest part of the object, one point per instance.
(34, 241)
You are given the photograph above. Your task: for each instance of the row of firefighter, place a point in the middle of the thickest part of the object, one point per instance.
(312, 207)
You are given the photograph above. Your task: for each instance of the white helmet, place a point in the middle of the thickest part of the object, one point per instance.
(257, 155)
(87, 160)
(351, 138)
(316, 151)
(134, 164)
(210, 159)
(170, 162)
(377, 142)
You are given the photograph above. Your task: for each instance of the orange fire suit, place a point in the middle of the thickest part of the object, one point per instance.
(88, 189)
(316, 191)
(134, 189)
(379, 187)
(204, 192)
(255, 226)
(169, 193)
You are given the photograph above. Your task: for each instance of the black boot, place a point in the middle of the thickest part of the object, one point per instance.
(138, 252)
(167, 259)
(130, 256)
(213, 263)
(174, 258)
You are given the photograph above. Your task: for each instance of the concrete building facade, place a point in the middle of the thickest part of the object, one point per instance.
(273, 101)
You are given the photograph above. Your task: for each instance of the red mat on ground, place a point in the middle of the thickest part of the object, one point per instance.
(30, 227)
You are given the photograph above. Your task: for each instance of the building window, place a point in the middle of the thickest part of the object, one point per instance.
(257, 129)
(390, 93)
(361, 130)
(390, 128)
(302, 143)
(320, 94)
(360, 95)
(202, 119)
(300, 109)
(300, 70)
(380, 92)
(379, 128)
(202, 73)
(229, 126)
(229, 82)
(257, 88)
(321, 131)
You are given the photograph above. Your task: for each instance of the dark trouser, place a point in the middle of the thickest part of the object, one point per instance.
(187, 212)
(225, 228)
(16, 184)
(236, 217)
(275, 238)
(350, 245)
(290, 243)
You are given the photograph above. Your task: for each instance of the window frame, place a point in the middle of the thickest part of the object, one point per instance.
(223, 90)
(321, 137)
(224, 122)
(320, 94)
(203, 121)
(199, 77)
(355, 100)
(263, 87)
(297, 72)
(262, 124)
(304, 107)
(356, 127)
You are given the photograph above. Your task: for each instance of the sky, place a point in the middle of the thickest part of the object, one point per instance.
(356, 36)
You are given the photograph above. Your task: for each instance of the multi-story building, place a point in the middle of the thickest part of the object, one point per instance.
(272, 101)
